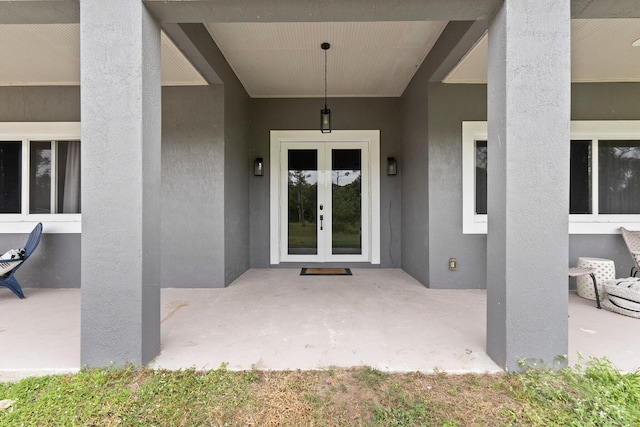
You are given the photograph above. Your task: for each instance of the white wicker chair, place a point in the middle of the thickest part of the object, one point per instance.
(632, 240)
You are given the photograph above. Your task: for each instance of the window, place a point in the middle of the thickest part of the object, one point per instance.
(604, 176)
(40, 176)
(54, 177)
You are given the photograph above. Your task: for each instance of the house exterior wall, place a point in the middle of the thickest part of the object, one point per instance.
(56, 262)
(236, 175)
(231, 170)
(236, 182)
(193, 193)
(193, 187)
(346, 114)
(603, 101)
(449, 106)
(192, 250)
(415, 185)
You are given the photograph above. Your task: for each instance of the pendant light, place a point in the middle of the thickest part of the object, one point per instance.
(325, 113)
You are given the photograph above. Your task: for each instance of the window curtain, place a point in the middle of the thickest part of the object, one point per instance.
(71, 191)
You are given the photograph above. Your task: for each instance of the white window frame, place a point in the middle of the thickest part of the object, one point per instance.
(593, 130)
(38, 131)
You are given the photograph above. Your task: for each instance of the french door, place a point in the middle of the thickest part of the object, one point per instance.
(324, 192)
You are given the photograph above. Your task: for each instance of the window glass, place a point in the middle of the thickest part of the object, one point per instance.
(580, 192)
(619, 172)
(481, 177)
(40, 177)
(10, 176)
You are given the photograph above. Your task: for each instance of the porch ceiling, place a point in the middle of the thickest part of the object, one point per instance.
(49, 55)
(602, 51)
(284, 59)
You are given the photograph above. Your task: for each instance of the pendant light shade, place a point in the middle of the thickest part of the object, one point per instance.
(325, 120)
(325, 113)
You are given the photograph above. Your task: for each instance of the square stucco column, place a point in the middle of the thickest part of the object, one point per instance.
(528, 181)
(120, 106)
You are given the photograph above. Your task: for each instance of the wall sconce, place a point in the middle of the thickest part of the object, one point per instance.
(258, 167)
(392, 166)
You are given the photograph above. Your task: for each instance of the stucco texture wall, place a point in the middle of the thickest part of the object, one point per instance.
(346, 114)
(56, 262)
(449, 106)
(415, 185)
(192, 187)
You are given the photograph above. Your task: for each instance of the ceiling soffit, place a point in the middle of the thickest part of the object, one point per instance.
(601, 51)
(366, 59)
(49, 55)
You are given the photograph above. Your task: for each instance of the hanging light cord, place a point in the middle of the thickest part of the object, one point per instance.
(325, 46)
(325, 79)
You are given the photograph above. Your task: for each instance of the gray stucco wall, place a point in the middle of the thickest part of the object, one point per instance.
(236, 175)
(449, 105)
(415, 185)
(193, 193)
(232, 175)
(56, 262)
(435, 236)
(192, 187)
(346, 114)
(236, 182)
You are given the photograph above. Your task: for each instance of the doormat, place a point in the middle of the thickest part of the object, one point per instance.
(325, 272)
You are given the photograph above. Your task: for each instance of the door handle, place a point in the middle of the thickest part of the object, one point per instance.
(321, 219)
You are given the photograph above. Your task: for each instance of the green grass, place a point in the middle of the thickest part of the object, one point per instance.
(592, 395)
(305, 236)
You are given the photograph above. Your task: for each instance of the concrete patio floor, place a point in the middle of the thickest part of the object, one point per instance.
(275, 319)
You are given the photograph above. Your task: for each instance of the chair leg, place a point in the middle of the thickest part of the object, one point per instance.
(14, 286)
(595, 288)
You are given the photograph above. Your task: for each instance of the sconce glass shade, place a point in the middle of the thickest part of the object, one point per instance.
(258, 167)
(392, 166)
(325, 120)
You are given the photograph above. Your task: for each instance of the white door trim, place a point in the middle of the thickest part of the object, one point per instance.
(371, 137)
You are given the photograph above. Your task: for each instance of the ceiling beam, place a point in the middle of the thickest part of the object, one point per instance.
(320, 10)
(190, 44)
(192, 11)
(457, 39)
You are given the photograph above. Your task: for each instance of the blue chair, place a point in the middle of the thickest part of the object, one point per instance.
(8, 280)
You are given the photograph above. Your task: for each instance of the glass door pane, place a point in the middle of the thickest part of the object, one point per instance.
(302, 202)
(346, 198)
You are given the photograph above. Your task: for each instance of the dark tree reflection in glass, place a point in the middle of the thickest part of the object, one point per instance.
(302, 202)
(346, 177)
